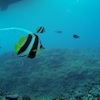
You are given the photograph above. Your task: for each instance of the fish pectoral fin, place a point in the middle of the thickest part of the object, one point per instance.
(17, 47)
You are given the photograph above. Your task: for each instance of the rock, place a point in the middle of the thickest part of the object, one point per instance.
(95, 91)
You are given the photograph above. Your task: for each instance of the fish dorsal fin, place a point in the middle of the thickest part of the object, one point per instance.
(22, 40)
(17, 47)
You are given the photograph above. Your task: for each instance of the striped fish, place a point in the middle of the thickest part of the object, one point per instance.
(28, 46)
(40, 29)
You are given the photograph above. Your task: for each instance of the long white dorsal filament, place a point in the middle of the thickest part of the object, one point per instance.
(15, 28)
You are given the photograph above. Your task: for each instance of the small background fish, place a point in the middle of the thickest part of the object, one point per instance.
(75, 36)
(40, 29)
(59, 32)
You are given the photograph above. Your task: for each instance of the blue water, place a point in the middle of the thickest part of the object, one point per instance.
(80, 17)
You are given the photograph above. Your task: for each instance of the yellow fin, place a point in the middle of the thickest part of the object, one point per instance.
(17, 47)
(22, 39)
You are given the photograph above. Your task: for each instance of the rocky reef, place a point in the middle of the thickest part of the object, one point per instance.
(53, 75)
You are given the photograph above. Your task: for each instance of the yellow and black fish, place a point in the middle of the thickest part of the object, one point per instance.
(28, 46)
(40, 29)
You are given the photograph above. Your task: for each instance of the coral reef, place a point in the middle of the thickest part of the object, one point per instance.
(53, 75)
(26, 97)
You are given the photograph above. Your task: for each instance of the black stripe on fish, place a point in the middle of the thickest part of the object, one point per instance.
(39, 29)
(33, 51)
(24, 47)
(42, 30)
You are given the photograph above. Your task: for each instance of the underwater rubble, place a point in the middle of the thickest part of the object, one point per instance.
(58, 74)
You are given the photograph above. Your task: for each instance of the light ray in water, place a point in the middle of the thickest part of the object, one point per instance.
(15, 28)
